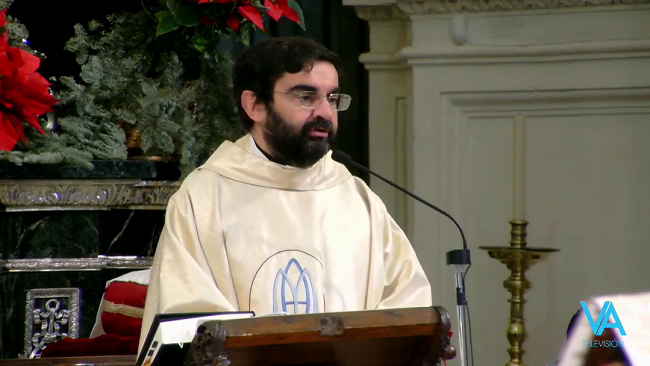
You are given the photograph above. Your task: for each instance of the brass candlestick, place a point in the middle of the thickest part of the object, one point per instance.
(518, 258)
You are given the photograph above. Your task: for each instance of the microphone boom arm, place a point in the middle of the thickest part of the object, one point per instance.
(413, 195)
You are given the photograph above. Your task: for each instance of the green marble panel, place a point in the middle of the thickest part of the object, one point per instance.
(44, 234)
(66, 234)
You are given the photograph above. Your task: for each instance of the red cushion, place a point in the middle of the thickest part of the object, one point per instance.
(121, 325)
(122, 308)
(126, 293)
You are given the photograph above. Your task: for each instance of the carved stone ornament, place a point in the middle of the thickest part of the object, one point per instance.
(379, 13)
(418, 7)
(33, 195)
(51, 315)
(74, 264)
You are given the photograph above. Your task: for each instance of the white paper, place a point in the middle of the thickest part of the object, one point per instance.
(183, 330)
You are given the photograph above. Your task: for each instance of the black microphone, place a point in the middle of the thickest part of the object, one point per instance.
(455, 257)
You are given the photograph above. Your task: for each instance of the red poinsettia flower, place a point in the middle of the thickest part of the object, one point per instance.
(251, 13)
(233, 22)
(278, 8)
(24, 93)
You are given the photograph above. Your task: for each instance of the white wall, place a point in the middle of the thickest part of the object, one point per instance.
(444, 87)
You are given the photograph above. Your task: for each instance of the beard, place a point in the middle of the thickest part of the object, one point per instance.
(295, 146)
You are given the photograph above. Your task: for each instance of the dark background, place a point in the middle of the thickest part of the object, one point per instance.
(50, 24)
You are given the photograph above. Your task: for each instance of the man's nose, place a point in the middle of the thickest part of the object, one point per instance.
(324, 110)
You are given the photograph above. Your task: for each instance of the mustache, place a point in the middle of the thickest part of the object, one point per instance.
(318, 123)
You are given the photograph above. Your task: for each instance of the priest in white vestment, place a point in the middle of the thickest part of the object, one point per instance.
(270, 223)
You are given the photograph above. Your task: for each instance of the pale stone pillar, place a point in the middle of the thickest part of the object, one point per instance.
(390, 95)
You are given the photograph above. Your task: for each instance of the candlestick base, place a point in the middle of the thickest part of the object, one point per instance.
(518, 258)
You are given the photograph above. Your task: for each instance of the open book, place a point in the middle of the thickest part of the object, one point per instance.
(625, 341)
(170, 336)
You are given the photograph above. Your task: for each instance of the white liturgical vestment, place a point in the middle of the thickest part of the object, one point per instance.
(246, 234)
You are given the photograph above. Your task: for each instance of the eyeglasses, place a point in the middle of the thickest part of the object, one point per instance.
(312, 99)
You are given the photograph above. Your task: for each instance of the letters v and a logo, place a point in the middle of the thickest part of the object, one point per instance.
(602, 322)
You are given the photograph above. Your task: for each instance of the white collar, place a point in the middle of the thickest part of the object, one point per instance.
(256, 151)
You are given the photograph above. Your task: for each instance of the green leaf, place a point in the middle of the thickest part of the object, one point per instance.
(162, 14)
(184, 12)
(244, 35)
(259, 6)
(245, 39)
(166, 23)
(294, 5)
(198, 42)
(187, 17)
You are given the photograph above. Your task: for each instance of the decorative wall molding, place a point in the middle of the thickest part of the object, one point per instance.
(51, 314)
(380, 13)
(459, 107)
(74, 264)
(508, 103)
(383, 61)
(44, 195)
(469, 54)
(419, 7)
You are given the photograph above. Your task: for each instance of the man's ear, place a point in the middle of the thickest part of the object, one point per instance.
(255, 111)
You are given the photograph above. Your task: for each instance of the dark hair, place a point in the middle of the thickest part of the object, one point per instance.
(260, 66)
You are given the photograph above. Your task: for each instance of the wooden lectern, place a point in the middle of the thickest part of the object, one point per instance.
(395, 337)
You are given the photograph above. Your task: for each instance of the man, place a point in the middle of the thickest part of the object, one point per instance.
(270, 223)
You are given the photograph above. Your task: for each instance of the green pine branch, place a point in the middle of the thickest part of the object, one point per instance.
(176, 96)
